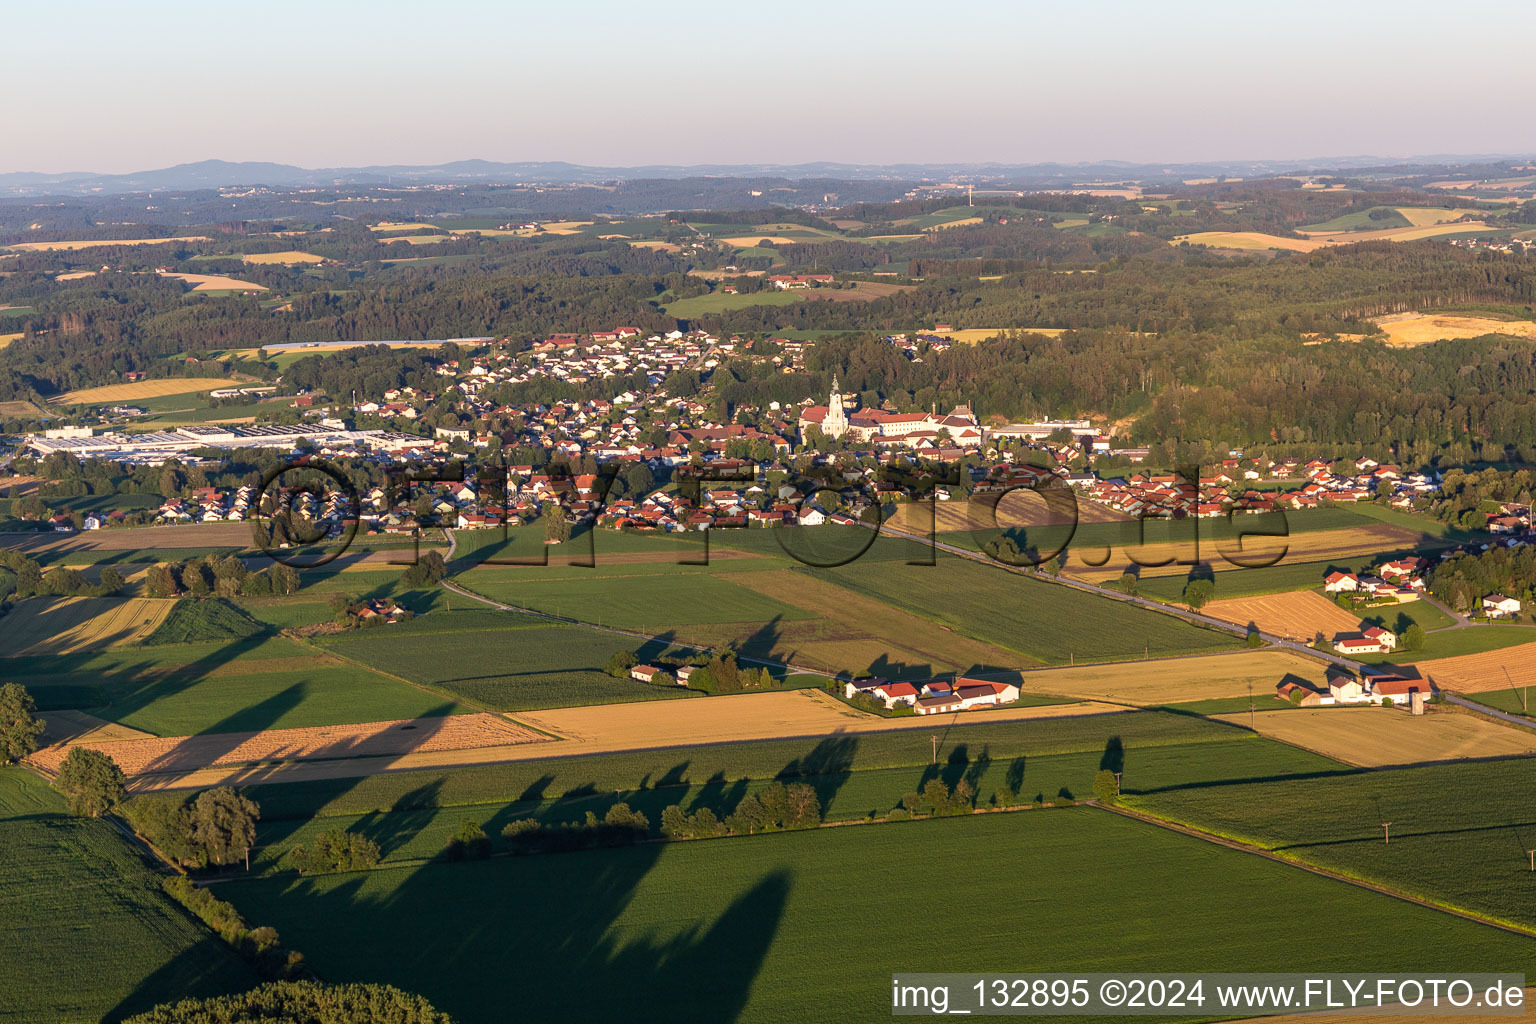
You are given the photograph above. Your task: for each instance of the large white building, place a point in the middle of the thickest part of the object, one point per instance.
(911, 429)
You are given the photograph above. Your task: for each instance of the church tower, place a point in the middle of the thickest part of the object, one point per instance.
(836, 423)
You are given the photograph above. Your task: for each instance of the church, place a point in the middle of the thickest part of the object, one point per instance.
(913, 430)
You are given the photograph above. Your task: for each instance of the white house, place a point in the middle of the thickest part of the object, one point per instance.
(1497, 606)
(1339, 582)
(644, 673)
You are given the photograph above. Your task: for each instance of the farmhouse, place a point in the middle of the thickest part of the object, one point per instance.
(644, 673)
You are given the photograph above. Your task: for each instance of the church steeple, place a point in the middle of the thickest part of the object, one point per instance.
(836, 422)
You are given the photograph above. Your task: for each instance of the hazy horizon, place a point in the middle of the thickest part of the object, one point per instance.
(349, 84)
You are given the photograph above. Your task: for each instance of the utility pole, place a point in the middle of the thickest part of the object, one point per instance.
(1387, 830)
(935, 739)
(1533, 859)
(1117, 782)
(1250, 709)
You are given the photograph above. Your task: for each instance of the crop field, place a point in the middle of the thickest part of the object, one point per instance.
(1409, 329)
(215, 282)
(1177, 680)
(1247, 240)
(93, 243)
(1472, 821)
(1280, 578)
(862, 291)
(871, 636)
(1298, 615)
(139, 538)
(628, 944)
(144, 389)
(502, 664)
(1154, 749)
(69, 625)
(653, 602)
(6, 339)
(1491, 670)
(1019, 508)
(1312, 546)
(86, 933)
(1048, 623)
(413, 830)
(1374, 737)
(186, 689)
(287, 257)
(149, 755)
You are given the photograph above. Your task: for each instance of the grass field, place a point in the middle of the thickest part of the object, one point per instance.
(1409, 329)
(185, 689)
(412, 830)
(145, 389)
(70, 625)
(1154, 748)
(288, 256)
(629, 932)
(1374, 737)
(720, 302)
(1472, 822)
(1048, 623)
(493, 659)
(85, 932)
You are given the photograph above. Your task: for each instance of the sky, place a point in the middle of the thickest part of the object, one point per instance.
(117, 87)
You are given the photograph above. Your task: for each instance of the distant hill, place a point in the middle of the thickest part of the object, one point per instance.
(207, 174)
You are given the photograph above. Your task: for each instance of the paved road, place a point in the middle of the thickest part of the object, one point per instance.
(1471, 705)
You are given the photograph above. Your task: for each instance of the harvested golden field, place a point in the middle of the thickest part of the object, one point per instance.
(139, 538)
(68, 625)
(565, 227)
(145, 389)
(95, 243)
(79, 727)
(614, 728)
(1420, 216)
(962, 222)
(992, 511)
(749, 241)
(1178, 680)
(155, 754)
(783, 714)
(6, 339)
(1298, 615)
(1248, 240)
(1408, 329)
(657, 245)
(390, 225)
(214, 282)
(971, 335)
(723, 275)
(20, 410)
(1373, 737)
(1491, 670)
(1313, 546)
(862, 291)
(417, 239)
(76, 275)
(865, 632)
(287, 256)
